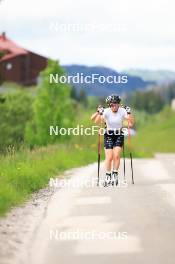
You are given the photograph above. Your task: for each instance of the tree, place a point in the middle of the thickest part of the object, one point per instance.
(16, 111)
(83, 97)
(150, 101)
(53, 107)
(74, 94)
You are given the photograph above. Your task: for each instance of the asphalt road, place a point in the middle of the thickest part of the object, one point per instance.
(128, 224)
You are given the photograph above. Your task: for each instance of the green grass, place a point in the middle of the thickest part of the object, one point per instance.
(25, 172)
(157, 135)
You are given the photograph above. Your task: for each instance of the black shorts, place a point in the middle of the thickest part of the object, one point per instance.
(112, 141)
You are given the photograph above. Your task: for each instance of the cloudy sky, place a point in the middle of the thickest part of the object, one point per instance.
(116, 33)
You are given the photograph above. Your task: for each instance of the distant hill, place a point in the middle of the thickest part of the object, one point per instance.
(160, 76)
(98, 89)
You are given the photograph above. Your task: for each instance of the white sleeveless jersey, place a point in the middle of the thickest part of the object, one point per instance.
(113, 120)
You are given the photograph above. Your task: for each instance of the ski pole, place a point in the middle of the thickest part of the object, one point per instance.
(99, 152)
(132, 168)
(129, 145)
(124, 165)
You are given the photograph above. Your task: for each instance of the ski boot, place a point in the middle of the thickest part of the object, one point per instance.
(114, 178)
(107, 180)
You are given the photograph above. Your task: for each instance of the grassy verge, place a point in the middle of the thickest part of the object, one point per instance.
(157, 135)
(24, 172)
(27, 171)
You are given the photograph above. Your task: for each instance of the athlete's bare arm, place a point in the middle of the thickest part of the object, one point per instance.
(130, 119)
(97, 118)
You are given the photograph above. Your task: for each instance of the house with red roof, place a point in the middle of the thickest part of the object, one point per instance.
(19, 65)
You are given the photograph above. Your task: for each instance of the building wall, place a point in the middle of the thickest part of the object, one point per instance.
(23, 69)
(37, 64)
(10, 70)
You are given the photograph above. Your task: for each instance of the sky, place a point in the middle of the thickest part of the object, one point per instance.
(119, 34)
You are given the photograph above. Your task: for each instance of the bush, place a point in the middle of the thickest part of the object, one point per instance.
(16, 111)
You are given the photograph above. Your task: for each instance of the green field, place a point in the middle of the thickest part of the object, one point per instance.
(156, 135)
